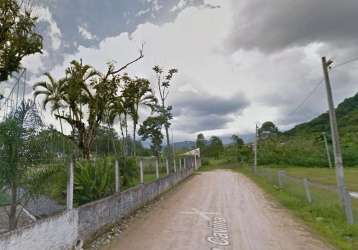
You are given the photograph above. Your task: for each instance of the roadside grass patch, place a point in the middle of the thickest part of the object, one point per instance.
(324, 215)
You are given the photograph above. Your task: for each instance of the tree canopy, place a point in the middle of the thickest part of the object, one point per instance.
(18, 37)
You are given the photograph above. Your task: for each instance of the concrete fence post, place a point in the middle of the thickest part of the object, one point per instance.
(69, 194)
(307, 190)
(184, 159)
(279, 178)
(348, 208)
(180, 164)
(141, 171)
(157, 168)
(167, 165)
(117, 176)
(195, 163)
(175, 164)
(270, 175)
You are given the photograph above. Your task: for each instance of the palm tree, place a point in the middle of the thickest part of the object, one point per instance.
(54, 94)
(139, 93)
(80, 94)
(116, 110)
(20, 151)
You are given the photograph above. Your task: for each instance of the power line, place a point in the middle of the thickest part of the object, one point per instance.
(307, 97)
(354, 59)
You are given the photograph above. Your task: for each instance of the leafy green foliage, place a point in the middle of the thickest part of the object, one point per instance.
(20, 152)
(201, 142)
(18, 37)
(267, 130)
(324, 214)
(152, 129)
(4, 199)
(93, 180)
(164, 110)
(215, 147)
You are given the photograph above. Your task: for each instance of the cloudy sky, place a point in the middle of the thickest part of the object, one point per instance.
(239, 61)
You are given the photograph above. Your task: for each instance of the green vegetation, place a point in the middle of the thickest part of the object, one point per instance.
(301, 153)
(20, 154)
(88, 104)
(311, 133)
(324, 176)
(4, 199)
(324, 214)
(18, 36)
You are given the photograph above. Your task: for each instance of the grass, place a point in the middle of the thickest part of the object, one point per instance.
(324, 215)
(324, 176)
(3, 199)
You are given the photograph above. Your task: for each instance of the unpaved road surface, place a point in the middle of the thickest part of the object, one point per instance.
(213, 211)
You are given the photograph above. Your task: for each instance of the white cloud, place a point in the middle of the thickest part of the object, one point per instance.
(85, 33)
(44, 15)
(180, 5)
(194, 43)
(142, 12)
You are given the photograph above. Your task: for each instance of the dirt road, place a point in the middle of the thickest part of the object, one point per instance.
(213, 211)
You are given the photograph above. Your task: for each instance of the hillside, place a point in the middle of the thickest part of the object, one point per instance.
(304, 146)
(347, 119)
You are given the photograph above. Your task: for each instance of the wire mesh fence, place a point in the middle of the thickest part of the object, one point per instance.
(57, 179)
(322, 197)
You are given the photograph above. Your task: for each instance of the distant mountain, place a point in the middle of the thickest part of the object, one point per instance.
(347, 120)
(184, 145)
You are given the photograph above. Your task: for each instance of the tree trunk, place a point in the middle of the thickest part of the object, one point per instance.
(13, 206)
(134, 138)
(168, 144)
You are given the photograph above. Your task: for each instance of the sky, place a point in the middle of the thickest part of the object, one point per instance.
(240, 62)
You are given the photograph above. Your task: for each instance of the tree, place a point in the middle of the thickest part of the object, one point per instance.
(20, 150)
(18, 37)
(267, 130)
(216, 147)
(238, 142)
(53, 92)
(138, 93)
(163, 84)
(152, 129)
(201, 142)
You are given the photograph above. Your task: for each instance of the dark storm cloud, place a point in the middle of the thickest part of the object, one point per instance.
(202, 111)
(274, 25)
(193, 124)
(205, 104)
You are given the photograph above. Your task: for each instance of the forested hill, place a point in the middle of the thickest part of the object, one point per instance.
(347, 119)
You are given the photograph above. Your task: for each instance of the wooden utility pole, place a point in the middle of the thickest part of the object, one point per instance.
(327, 150)
(344, 196)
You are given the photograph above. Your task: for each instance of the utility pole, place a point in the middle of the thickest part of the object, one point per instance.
(255, 149)
(327, 149)
(344, 196)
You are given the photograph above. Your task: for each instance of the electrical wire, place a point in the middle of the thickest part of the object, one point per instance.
(317, 85)
(354, 59)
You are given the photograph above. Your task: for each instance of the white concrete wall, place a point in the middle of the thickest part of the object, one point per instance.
(58, 232)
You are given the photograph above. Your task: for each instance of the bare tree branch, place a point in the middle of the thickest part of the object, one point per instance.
(141, 55)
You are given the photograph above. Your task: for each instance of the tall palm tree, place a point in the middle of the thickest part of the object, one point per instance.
(139, 94)
(53, 91)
